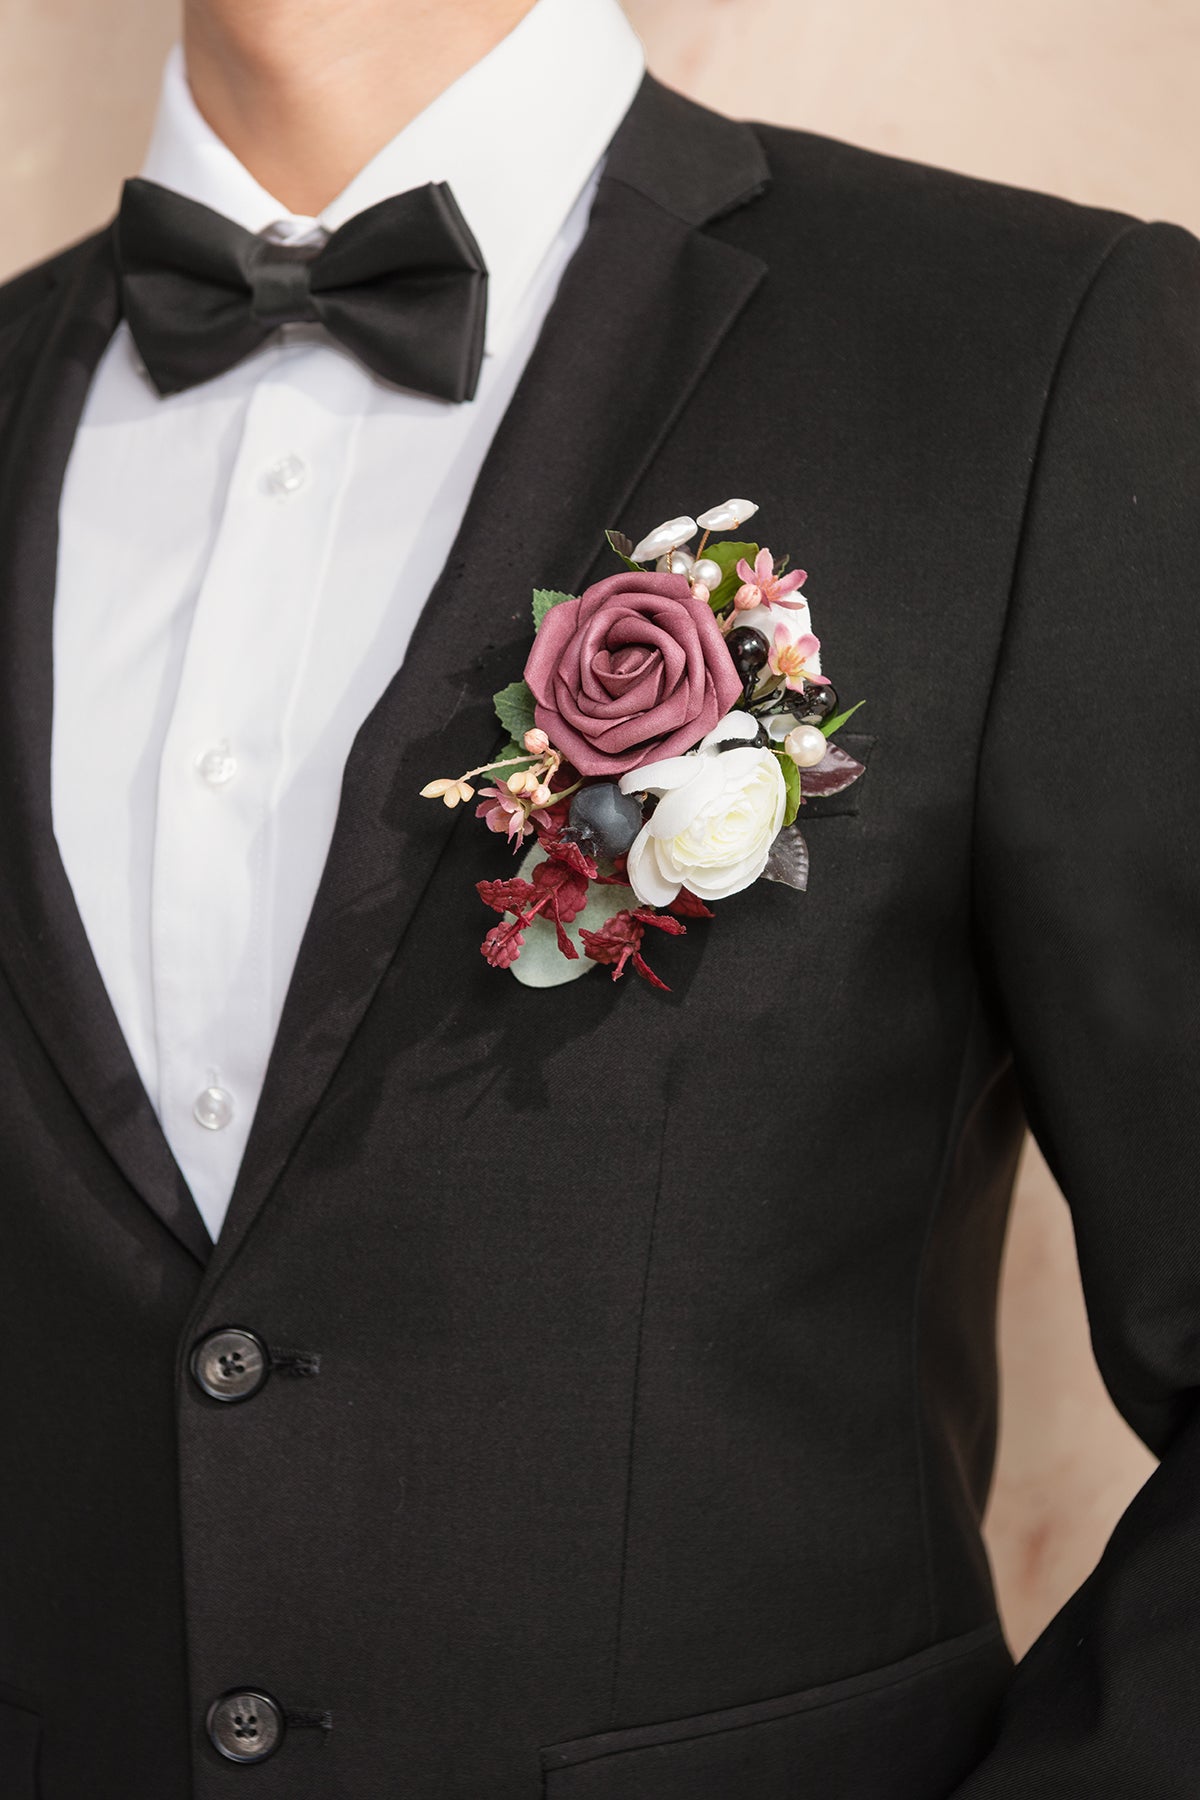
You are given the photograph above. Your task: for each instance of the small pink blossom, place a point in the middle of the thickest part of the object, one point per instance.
(762, 587)
(502, 811)
(791, 659)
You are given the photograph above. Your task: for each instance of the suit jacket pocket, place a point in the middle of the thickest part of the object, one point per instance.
(20, 1730)
(908, 1731)
(822, 806)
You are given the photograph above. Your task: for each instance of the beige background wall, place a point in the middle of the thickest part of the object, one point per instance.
(1091, 98)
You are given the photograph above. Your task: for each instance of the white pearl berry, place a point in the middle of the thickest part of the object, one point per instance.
(706, 570)
(664, 538)
(726, 517)
(806, 746)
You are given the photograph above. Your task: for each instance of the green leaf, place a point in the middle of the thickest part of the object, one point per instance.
(622, 545)
(726, 555)
(543, 600)
(839, 719)
(514, 709)
(791, 781)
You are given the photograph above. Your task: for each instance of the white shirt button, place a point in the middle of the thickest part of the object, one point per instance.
(213, 1108)
(217, 764)
(285, 476)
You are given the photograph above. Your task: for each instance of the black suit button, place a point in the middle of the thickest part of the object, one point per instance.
(230, 1364)
(245, 1726)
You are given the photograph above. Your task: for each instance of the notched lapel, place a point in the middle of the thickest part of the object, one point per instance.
(48, 354)
(642, 309)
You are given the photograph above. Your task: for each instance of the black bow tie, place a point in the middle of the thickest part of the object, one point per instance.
(403, 286)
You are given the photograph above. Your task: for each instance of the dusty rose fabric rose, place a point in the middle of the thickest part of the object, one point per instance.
(633, 671)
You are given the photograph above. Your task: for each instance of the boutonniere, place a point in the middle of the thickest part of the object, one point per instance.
(670, 724)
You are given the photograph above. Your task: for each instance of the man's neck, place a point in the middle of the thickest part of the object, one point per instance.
(306, 92)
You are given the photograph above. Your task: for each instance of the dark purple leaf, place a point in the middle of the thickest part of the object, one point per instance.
(834, 772)
(788, 861)
(623, 545)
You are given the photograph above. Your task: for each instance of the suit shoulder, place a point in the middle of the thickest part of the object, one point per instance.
(21, 292)
(918, 213)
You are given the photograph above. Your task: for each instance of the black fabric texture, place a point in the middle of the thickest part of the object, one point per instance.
(402, 285)
(651, 1394)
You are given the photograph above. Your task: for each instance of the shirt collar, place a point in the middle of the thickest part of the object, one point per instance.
(518, 138)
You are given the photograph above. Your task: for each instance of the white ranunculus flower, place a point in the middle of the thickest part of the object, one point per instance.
(718, 814)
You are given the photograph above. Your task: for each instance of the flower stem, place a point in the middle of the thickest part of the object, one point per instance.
(509, 762)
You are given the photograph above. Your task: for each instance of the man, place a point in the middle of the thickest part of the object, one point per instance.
(421, 1384)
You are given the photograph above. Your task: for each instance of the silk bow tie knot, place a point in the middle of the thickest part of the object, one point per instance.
(280, 285)
(403, 286)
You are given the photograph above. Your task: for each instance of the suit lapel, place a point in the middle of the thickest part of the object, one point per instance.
(47, 358)
(642, 309)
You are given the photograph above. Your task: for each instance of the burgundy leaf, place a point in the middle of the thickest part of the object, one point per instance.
(642, 968)
(685, 905)
(560, 850)
(619, 941)
(832, 774)
(648, 916)
(506, 896)
(561, 888)
(788, 861)
(564, 943)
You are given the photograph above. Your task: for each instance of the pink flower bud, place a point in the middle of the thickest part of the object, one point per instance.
(748, 595)
(536, 742)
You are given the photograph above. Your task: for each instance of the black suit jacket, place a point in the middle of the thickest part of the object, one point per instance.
(651, 1385)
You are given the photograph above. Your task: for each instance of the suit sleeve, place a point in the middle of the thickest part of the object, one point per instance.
(1087, 915)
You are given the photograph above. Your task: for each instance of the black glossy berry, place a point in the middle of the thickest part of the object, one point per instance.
(815, 704)
(748, 648)
(760, 741)
(604, 821)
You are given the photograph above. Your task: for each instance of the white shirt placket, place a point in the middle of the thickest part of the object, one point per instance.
(227, 756)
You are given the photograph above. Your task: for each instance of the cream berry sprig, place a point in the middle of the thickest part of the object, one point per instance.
(517, 804)
(533, 773)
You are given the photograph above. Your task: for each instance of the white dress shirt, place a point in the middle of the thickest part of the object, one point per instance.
(241, 566)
